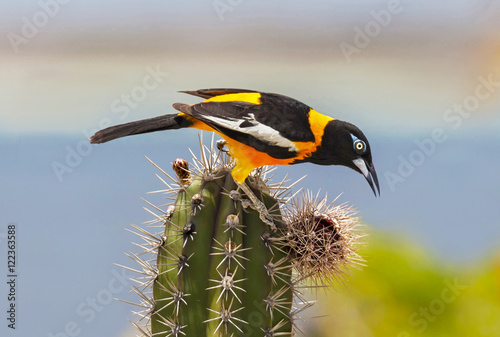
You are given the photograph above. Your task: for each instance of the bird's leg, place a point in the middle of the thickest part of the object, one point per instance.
(256, 203)
(258, 206)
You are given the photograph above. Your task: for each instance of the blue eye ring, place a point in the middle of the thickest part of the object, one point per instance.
(358, 145)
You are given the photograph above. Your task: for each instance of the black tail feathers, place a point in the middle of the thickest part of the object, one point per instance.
(165, 122)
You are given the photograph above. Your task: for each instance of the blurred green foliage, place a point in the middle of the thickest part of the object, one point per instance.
(406, 292)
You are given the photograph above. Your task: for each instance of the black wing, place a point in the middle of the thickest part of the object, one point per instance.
(270, 127)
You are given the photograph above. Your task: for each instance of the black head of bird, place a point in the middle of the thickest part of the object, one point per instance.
(345, 144)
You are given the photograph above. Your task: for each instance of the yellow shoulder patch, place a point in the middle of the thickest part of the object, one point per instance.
(318, 123)
(250, 97)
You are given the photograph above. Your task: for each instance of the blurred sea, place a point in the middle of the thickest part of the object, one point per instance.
(448, 203)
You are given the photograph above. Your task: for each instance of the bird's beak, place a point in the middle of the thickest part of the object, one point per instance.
(369, 172)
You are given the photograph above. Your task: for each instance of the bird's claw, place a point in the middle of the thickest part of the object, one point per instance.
(259, 206)
(264, 214)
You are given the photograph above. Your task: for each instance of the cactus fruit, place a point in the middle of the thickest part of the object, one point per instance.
(220, 270)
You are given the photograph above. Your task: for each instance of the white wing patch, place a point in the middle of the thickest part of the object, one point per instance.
(257, 130)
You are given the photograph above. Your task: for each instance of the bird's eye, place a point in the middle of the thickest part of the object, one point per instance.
(359, 146)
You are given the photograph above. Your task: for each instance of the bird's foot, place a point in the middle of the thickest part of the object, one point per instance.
(264, 214)
(258, 206)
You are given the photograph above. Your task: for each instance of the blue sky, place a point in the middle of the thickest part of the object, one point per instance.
(426, 58)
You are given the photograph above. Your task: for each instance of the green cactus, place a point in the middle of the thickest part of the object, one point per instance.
(220, 270)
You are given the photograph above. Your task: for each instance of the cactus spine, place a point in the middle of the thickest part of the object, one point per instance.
(220, 270)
